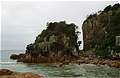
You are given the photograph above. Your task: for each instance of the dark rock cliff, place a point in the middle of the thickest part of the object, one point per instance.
(101, 32)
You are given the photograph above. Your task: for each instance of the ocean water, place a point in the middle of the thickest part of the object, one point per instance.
(54, 71)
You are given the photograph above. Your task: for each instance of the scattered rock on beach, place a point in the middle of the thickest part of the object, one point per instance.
(5, 73)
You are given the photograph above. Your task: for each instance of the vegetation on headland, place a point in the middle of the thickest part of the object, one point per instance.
(59, 42)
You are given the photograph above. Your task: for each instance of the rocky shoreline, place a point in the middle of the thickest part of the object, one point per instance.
(96, 61)
(5, 73)
(80, 60)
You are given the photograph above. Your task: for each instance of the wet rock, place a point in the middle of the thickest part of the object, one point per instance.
(22, 55)
(5, 73)
(80, 61)
(14, 56)
(115, 64)
(27, 75)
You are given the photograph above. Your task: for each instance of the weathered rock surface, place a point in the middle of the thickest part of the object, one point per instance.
(101, 32)
(5, 73)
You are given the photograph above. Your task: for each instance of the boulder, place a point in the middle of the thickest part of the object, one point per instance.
(5, 73)
(115, 64)
(27, 75)
(14, 56)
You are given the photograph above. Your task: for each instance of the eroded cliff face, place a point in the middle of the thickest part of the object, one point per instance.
(100, 31)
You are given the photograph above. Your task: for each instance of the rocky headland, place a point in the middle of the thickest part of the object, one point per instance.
(55, 44)
(58, 43)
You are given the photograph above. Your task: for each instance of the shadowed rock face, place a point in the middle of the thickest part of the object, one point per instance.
(100, 31)
(5, 73)
(14, 56)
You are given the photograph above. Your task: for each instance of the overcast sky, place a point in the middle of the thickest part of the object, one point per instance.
(23, 21)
